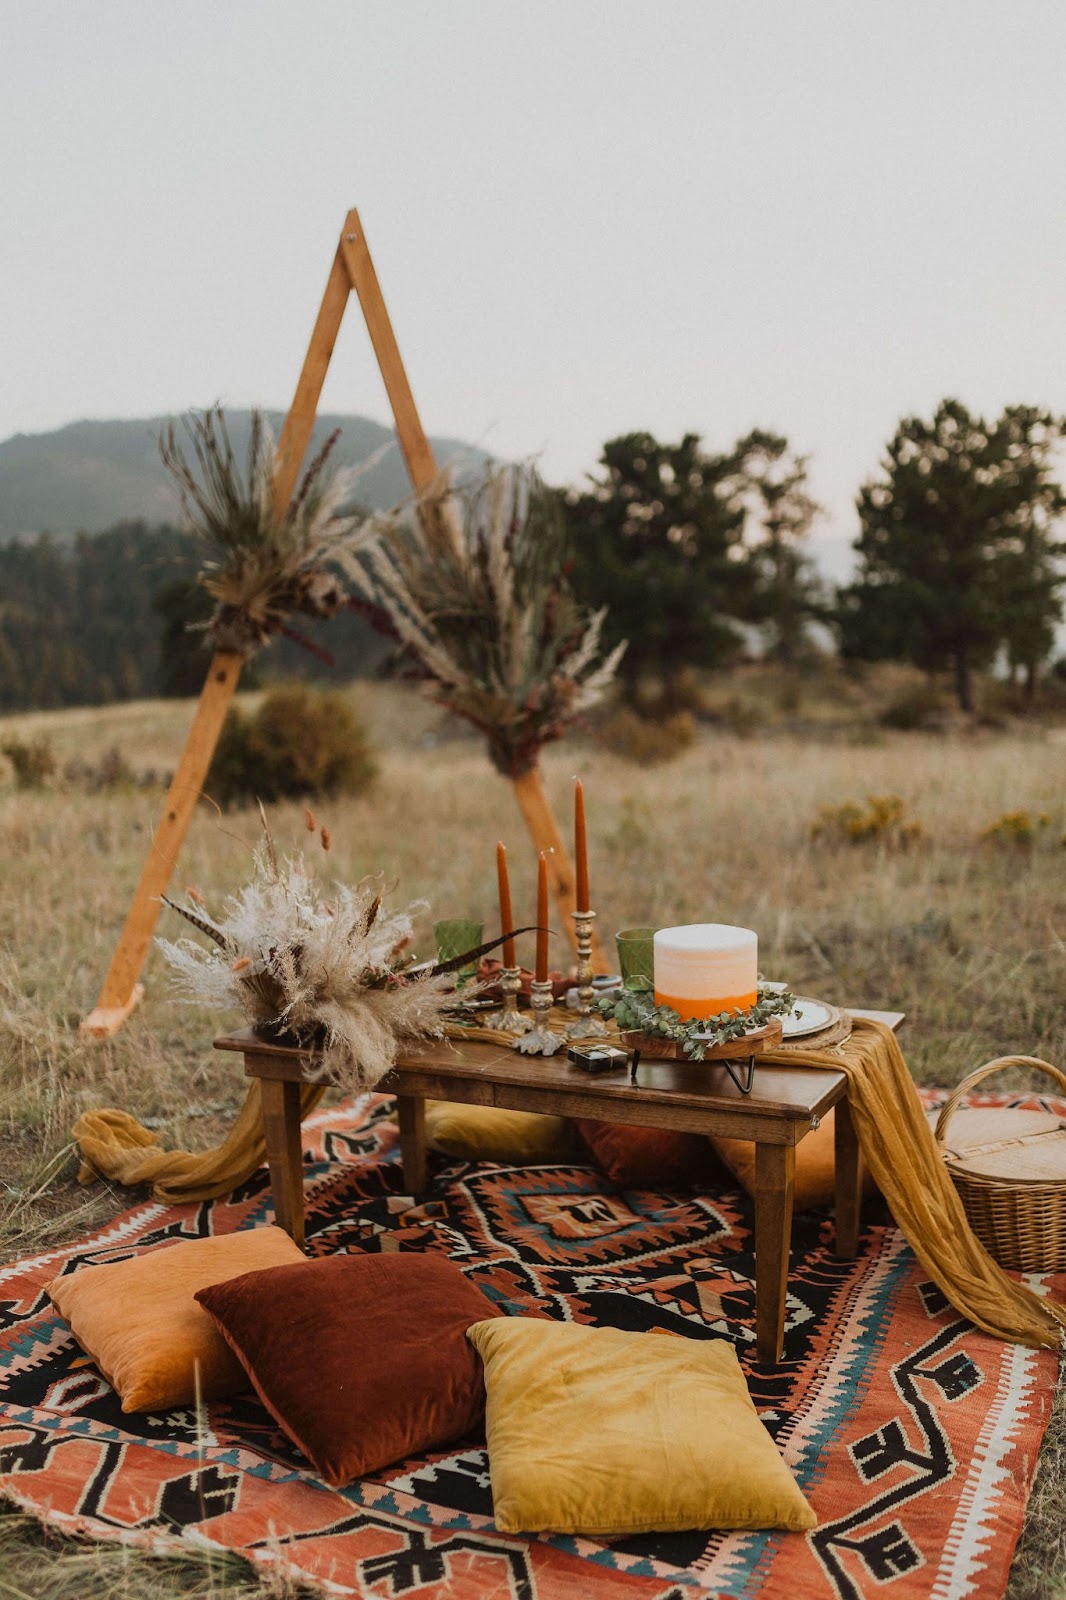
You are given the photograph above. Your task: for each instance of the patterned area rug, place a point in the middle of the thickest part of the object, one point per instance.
(914, 1436)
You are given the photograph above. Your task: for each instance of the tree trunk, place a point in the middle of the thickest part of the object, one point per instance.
(1029, 683)
(963, 682)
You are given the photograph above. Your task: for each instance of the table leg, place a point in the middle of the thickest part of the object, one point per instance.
(412, 1114)
(848, 1182)
(281, 1127)
(775, 1172)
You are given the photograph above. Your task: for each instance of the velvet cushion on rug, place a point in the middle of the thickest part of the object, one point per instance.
(489, 1133)
(913, 1437)
(362, 1359)
(649, 1158)
(605, 1432)
(815, 1165)
(139, 1320)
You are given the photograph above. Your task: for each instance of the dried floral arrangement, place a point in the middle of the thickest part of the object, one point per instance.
(317, 963)
(472, 585)
(634, 1007)
(265, 564)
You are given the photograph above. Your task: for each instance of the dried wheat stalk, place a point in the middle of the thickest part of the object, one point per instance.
(267, 564)
(326, 965)
(472, 585)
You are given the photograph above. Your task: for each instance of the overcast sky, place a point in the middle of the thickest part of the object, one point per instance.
(587, 217)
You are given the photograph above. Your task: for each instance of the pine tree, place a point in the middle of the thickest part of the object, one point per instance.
(957, 555)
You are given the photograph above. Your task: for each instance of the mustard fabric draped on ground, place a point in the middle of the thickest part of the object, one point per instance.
(894, 1135)
(115, 1145)
(898, 1147)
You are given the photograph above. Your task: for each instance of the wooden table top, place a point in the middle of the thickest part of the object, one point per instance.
(780, 1092)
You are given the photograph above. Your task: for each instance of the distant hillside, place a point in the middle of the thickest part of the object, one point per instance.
(92, 475)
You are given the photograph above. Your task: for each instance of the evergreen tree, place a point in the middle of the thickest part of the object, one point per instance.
(106, 617)
(658, 539)
(781, 513)
(957, 555)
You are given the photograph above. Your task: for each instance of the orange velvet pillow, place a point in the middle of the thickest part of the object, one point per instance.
(815, 1165)
(362, 1359)
(139, 1322)
(647, 1158)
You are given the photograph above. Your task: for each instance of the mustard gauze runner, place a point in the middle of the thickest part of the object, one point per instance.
(115, 1145)
(897, 1145)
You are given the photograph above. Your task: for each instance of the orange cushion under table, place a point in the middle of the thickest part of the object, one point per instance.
(815, 1165)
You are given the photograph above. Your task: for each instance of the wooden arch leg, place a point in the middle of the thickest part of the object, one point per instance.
(121, 990)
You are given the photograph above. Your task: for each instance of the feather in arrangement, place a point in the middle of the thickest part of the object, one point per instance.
(472, 585)
(265, 564)
(324, 964)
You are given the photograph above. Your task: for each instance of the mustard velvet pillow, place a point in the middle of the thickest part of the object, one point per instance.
(600, 1432)
(815, 1165)
(485, 1133)
(140, 1323)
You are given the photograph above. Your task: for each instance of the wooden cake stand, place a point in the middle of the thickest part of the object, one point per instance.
(737, 1056)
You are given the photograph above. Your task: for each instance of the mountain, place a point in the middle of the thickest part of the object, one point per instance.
(92, 475)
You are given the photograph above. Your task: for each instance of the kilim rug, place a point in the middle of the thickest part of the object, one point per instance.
(914, 1436)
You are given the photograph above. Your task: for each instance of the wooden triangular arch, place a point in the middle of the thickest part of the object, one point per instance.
(352, 269)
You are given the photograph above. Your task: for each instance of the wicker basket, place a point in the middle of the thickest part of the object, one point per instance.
(1009, 1167)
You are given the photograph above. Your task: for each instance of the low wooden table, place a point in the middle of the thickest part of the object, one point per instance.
(786, 1103)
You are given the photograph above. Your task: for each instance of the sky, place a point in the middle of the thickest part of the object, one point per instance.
(587, 218)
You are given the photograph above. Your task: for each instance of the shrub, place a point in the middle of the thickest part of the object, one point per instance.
(647, 740)
(1017, 830)
(882, 820)
(112, 771)
(300, 743)
(33, 763)
(917, 707)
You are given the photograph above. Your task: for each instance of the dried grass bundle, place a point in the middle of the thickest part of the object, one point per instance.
(331, 972)
(266, 565)
(472, 585)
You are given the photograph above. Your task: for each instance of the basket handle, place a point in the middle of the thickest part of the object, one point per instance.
(1000, 1064)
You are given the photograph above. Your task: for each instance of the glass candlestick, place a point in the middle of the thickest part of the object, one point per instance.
(541, 1041)
(509, 1019)
(589, 1024)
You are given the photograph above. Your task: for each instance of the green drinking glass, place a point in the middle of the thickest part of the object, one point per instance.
(636, 953)
(455, 936)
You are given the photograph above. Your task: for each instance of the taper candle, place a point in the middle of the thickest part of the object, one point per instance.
(506, 915)
(541, 973)
(581, 848)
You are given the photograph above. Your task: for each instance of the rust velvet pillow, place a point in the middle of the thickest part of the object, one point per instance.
(648, 1158)
(139, 1320)
(362, 1359)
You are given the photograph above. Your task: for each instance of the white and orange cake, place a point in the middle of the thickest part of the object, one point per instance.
(705, 969)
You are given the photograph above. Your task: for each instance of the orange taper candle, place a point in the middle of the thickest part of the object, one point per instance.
(581, 848)
(541, 973)
(506, 915)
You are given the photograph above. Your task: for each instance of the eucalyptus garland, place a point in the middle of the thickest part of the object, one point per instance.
(634, 1008)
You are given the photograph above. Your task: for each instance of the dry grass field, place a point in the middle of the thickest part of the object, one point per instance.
(967, 936)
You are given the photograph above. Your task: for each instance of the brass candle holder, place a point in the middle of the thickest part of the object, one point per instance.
(541, 1041)
(589, 1024)
(509, 1019)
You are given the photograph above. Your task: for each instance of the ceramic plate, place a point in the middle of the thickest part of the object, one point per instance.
(809, 1016)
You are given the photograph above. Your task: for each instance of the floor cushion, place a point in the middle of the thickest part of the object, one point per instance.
(608, 1433)
(648, 1158)
(485, 1133)
(815, 1165)
(140, 1323)
(362, 1359)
